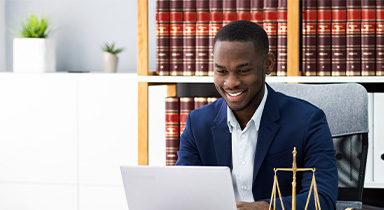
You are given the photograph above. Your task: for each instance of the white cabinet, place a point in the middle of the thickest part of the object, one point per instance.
(37, 196)
(107, 132)
(38, 152)
(63, 138)
(378, 139)
(38, 129)
(107, 117)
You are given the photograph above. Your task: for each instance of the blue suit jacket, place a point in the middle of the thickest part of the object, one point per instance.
(286, 123)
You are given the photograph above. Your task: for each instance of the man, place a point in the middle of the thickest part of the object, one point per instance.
(252, 129)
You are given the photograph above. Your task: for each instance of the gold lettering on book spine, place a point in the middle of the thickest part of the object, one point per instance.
(294, 169)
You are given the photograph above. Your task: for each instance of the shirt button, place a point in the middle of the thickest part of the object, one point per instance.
(243, 162)
(244, 188)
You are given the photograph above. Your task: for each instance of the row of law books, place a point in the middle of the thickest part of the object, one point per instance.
(343, 38)
(176, 112)
(185, 31)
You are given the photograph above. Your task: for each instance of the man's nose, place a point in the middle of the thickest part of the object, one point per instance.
(232, 81)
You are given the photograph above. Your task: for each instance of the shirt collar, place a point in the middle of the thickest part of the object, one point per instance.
(256, 118)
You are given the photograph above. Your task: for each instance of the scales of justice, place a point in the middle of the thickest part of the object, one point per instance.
(294, 169)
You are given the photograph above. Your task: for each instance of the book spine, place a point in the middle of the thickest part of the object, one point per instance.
(379, 38)
(270, 26)
(215, 24)
(186, 106)
(353, 38)
(257, 11)
(172, 132)
(162, 37)
(282, 38)
(229, 11)
(189, 33)
(202, 38)
(176, 37)
(200, 102)
(212, 99)
(309, 39)
(324, 18)
(339, 19)
(243, 9)
(368, 34)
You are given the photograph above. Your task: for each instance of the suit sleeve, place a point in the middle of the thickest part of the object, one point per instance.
(319, 154)
(188, 153)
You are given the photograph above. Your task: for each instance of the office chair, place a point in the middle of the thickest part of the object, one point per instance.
(346, 109)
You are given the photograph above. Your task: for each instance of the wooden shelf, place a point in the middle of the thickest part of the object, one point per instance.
(373, 185)
(293, 79)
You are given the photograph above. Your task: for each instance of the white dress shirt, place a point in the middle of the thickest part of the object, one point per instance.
(243, 151)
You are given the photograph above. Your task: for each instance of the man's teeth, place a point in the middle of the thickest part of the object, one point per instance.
(234, 94)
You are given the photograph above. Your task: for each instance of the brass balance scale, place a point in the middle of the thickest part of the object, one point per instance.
(294, 169)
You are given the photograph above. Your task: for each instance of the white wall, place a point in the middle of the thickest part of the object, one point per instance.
(81, 27)
(2, 35)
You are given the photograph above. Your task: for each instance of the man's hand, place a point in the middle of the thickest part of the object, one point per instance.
(258, 205)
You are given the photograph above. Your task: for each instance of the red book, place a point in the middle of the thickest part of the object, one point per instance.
(202, 38)
(270, 26)
(257, 11)
(200, 102)
(189, 33)
(176, 37)
(186, 106)
(353, 38)
(229, 11)
(212, 99)
(379, 38)
(324, 39)
(243, 9)
(309, 9)
(368, 34)
(162, 37)
(339, 19)
(215, 24)
(282, 38)
(172, 132)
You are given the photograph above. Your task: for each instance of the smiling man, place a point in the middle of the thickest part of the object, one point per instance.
(252, 129)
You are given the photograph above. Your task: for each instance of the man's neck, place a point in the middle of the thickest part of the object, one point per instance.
(244, 116)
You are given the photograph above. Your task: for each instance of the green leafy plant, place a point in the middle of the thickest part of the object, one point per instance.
(34, 27)
(111, 48)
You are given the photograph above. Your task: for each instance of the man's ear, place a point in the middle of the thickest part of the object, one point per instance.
(268, 63)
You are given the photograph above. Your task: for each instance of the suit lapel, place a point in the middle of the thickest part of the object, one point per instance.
(222, 138)
(267, 131)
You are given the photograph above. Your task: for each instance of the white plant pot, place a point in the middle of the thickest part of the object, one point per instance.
(110, 62)
(34, 55)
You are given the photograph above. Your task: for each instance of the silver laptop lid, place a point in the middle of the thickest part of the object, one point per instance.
(178, 187)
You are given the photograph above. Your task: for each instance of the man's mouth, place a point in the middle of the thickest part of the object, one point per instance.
(235, 96)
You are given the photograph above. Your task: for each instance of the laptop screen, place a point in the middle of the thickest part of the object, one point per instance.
(178, 187)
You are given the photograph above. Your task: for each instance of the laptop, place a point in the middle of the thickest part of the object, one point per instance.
(178, 187)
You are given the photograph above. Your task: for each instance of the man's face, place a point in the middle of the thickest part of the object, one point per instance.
(239, 74)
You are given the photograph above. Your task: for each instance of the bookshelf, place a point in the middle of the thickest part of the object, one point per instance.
(148, 78)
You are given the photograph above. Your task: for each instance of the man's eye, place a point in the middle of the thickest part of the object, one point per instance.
(244, 70)
(220, 71)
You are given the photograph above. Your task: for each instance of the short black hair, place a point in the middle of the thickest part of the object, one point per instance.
(244, 31)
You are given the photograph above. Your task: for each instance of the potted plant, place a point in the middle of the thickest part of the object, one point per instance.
(110, 57)
(32, 51)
